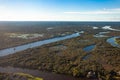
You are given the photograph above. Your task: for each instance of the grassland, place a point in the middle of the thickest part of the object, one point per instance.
(18, 76)
(118, 40)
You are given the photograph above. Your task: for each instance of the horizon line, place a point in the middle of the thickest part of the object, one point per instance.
(51, 21)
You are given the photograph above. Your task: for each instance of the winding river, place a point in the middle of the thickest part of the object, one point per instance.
(109, 40)
(44, 75)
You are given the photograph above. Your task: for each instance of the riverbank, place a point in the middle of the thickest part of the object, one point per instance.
(117, 40)
(17, 76)
(13, 50)
(113, 41)
(30, 73)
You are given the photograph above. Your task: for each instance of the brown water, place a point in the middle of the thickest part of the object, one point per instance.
(37, 73)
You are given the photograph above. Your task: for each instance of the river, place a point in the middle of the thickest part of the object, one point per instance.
(37, 73)
(13, 50)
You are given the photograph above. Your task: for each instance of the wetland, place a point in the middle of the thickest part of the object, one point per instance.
(64, 50)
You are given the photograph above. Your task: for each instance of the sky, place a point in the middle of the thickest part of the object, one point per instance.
(59, 10)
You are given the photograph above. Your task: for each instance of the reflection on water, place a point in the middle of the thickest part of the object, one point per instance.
(113, 42)
(109, 28)
(101, 34)
(89, 48)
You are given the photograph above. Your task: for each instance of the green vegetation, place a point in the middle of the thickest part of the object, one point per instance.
(117, 40)
(18, 76)
(29, 77)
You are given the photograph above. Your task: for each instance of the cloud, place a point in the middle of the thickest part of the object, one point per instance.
(104, 11)
(115, 9)
(10, 14)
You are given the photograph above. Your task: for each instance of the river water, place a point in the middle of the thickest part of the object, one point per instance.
(113, 42)
(46, 75)
(13, 50)
(89, 48)
(37, 73)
